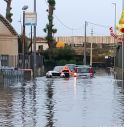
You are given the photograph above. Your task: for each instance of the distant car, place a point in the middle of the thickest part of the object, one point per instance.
(84, 71)
(65, 73)
(69, 69)
(56, 72)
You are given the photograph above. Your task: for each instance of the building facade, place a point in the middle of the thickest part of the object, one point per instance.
(81, 39)
(8, 43)
(76, 41)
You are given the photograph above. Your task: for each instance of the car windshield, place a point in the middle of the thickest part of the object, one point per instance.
(83, 70)
(71, 66)
(58, 68)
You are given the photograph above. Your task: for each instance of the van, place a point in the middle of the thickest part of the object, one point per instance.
(84, 71)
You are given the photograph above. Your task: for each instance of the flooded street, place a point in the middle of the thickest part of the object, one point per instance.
(96, 102)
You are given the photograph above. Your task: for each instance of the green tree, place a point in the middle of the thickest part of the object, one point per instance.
(60, 56)
(8, 10)
(49, 27)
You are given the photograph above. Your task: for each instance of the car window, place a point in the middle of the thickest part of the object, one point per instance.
(83, 70)
(58, 68)
(71, 67)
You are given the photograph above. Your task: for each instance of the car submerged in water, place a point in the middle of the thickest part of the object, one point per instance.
(56, 72)
(84, 71)
(79, 71)
(62, 71)
(69, 70)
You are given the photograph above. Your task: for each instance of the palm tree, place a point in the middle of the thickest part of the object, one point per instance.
(8, 10)
(49, 27)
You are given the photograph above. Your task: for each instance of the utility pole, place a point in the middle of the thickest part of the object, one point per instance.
(114, 31)
(91, 48)
(31, 39)
(34, 45)
(85, 33)
(23, 40)
(24, 8)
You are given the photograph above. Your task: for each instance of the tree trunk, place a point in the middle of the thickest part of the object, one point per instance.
(8, 9)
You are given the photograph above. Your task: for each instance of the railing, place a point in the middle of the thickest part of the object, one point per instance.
(10, 75)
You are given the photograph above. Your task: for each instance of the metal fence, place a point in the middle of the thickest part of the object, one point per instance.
(12, 71)
(11, 75)
(17, 61)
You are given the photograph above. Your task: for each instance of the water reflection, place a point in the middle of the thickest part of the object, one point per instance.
(118, 105)
(50, 104)
(28, 105)
(75, 88)
(96, 102)
(6, 107)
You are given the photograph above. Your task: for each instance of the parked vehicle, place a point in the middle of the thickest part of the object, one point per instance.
(56, 72)
(65, 73)
(84, 71)
(69, 69)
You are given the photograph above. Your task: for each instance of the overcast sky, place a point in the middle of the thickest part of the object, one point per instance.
(70, 15)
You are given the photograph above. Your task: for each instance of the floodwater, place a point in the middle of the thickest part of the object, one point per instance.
(96, 102)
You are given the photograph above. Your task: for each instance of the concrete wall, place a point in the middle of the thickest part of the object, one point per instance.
(45, 46)
(118, 61)
(4, 30)
(81, 39)
(8, 43)
(118, 73)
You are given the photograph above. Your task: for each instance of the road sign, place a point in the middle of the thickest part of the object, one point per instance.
(30, 18)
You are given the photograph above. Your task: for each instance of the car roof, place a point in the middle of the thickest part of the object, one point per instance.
(59, 66)
(70, 64)
(83, 66)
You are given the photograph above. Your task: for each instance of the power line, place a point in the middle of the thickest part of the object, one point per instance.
(79, 28)
(100, 25)
(70, 28)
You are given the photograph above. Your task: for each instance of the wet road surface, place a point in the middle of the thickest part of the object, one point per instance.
(96, 102)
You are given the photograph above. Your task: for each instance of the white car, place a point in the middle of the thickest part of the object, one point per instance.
(56, 72)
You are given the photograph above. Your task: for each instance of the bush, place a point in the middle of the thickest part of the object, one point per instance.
(59, 56)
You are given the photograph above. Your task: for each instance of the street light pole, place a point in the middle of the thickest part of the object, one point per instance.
(114, 29)
(114, 17)
(23, 37)
(34, 45)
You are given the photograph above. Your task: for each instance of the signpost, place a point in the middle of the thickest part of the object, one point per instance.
(30, 18)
